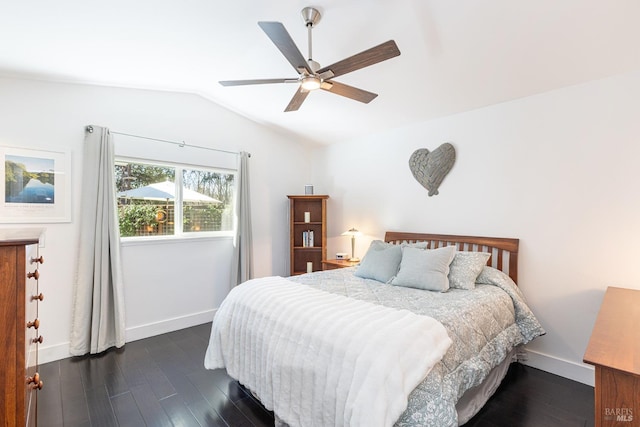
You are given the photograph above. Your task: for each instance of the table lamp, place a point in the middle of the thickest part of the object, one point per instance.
(353, 233)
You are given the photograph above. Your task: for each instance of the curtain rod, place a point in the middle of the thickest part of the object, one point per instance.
(179, 144)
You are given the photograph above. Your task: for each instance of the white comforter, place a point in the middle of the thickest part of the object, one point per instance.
(320, 359)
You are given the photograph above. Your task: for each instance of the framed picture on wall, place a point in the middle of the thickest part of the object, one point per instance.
(37, 186)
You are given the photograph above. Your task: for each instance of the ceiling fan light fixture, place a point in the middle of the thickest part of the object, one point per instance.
(310, 83)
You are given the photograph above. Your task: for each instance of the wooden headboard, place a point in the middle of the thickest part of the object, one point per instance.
(504, 252)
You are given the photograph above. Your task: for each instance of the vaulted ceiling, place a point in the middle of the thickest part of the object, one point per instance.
(455, 55)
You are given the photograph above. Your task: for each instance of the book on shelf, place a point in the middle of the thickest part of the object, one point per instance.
(307, 239)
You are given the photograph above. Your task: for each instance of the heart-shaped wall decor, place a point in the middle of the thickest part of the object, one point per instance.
(430, 167)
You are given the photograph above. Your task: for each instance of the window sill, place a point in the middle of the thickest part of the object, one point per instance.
(162, 240)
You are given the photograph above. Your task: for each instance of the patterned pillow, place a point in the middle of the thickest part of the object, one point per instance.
(419, 245)
(425, 269)
(380, 262)
(404, 244)
(465, 269)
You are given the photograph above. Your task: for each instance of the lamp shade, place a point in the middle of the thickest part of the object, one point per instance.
(352, 232)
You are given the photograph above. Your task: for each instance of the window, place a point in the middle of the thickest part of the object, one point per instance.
(169, 200)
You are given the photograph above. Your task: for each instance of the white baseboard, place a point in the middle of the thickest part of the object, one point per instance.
(565, 368)
(52, 353)
(61, 351)
(136, 333)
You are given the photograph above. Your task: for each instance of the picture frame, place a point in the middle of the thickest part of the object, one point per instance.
(37, 185)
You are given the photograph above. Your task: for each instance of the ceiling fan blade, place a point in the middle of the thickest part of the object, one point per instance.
(255, 82)
(283, 41)
(297, 100)
(363, 59)
(348, 91)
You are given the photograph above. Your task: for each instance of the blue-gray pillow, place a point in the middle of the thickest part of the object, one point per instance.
(380, 262)
(465, 269)
(425, 269)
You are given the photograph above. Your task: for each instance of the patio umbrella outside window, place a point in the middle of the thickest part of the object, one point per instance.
(165, 190)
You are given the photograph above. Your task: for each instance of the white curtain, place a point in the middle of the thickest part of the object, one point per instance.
(242, 265)
(98, 308)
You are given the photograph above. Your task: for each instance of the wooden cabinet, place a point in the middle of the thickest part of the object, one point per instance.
(614, 350)
(332, 264)
(307, 217)
(19, 323)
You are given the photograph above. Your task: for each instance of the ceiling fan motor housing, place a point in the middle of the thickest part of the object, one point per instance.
(310, 16)
(313, 65)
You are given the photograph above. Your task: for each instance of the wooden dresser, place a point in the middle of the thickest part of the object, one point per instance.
(19, 323)
(614, 350)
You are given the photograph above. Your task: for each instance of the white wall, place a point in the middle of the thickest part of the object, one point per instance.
(168, 286)
(559, 171)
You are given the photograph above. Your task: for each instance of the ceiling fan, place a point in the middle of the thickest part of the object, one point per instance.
(310, 75)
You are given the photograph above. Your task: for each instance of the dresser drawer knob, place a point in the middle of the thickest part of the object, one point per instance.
(40, 260)
(38, 340)
(35, 381)
(34, 324)
(34, 275)
(39, 297)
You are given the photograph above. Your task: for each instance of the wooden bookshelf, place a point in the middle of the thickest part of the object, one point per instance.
(301, 251)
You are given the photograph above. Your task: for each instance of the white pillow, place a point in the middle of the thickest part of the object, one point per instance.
(425, 269)
(465, 269)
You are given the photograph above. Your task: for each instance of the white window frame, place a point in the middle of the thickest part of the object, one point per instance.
(180, 234)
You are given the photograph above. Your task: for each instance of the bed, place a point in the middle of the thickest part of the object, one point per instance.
(342, 347)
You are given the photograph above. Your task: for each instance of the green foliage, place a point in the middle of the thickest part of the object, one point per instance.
(213, 184)
(16, 176)
(133, 217)
(203, 217)
(46, 178)
(142, 175)
(10, 177)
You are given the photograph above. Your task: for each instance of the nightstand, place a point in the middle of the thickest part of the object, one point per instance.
(332, 264)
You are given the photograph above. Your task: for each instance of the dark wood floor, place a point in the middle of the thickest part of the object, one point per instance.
(161, 381)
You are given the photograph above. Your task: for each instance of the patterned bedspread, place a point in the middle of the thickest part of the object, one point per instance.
(485, 324)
